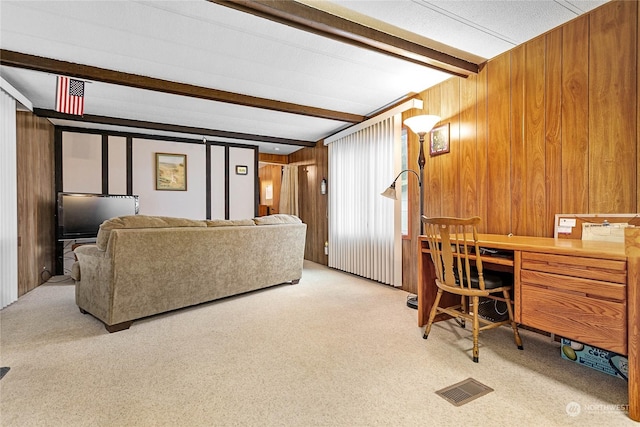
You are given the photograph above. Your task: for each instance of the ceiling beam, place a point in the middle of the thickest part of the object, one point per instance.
(87, 72)
(311, 19)
(115, 121)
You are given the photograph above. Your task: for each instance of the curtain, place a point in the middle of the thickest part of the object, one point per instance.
(289, 191)
(361, 221)
(8, 201)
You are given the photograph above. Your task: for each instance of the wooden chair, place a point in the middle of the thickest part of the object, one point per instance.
(453, 243)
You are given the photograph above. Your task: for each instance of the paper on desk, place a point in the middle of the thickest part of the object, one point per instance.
(564, 230)
(608, 232)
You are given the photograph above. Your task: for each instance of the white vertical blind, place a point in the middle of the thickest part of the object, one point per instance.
(8, 201)
(361, 222)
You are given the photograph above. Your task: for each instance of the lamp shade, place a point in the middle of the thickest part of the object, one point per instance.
(390, 192)
(422, 124)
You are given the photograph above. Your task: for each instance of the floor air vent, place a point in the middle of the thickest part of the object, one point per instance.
(464, 392)
(3, 371)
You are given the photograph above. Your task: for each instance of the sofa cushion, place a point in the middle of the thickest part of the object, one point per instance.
(141, 221)
(228, 222)
(277, 219)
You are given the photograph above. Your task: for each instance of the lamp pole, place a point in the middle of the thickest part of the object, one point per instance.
(421, 125)
(421, 163)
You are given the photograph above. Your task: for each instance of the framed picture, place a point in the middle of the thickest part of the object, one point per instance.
(241, 170)
(439, 140)
(171, 172)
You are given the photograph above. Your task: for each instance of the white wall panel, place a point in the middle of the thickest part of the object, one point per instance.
(218, 168)
(8, 201)
(185, 204)
(117, 165)
(242, 187)
(82, 162)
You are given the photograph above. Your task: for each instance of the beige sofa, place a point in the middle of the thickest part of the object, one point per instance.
(145, 265)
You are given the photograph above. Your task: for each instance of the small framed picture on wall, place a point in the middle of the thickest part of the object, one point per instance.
(439, 140)
(242, 170)
(171, 172)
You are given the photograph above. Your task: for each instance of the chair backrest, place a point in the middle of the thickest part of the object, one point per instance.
(459, 236)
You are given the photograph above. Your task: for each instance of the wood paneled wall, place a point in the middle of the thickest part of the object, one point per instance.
(313, 166)
(548, 127)
(273, 158)
(270, 175)
(36, 200)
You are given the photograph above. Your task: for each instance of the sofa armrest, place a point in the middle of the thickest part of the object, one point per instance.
(94, 290)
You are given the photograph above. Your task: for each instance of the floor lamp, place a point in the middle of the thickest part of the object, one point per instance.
(419, 125)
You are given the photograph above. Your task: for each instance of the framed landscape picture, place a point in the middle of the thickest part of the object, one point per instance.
(439, 140)
(171, 172)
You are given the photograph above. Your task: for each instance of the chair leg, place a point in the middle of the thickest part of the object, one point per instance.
(476, 327)
(432, 314)
(463, 307)
(516, 334)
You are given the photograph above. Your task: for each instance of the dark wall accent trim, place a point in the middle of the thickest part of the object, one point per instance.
(129, 148)
(226, 182)
(208, 178)
(59, 249)
(54, 66)
(129, 162)
(256, 185)
(88, 118)
(58, 166)
(105, 163)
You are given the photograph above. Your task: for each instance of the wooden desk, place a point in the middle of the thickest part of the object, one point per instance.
(573, 288)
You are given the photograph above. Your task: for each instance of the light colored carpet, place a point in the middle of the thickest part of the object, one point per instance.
(334, 350)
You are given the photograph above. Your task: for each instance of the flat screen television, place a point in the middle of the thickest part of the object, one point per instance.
(80, 215)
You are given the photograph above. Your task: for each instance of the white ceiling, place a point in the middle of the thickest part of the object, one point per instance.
(213, 46)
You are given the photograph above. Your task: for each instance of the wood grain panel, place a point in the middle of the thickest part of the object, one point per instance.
(534, 139)
(518, 151)
(482, 144)
(586, 287)
(632, 250)
(568, 265)
(409, 267)
(270, 175)
(433, 168)
(450, 162)
(591, 321)
(498, 160)
(313, 205)
(36, 200)
(575, 116)
(553, 132)
(468, 187)
(612, 103)
(273, 158)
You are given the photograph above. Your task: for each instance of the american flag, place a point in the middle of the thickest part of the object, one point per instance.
(70, 96)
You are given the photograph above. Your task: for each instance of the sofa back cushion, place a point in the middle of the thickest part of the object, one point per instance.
(228, 222)
(277, 219)
(141, 221)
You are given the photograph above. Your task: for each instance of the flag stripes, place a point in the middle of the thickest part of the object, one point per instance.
(70, 96)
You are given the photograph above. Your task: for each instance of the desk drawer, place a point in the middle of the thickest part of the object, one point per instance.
(596, 289)
(592, 321)
(589, 268)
